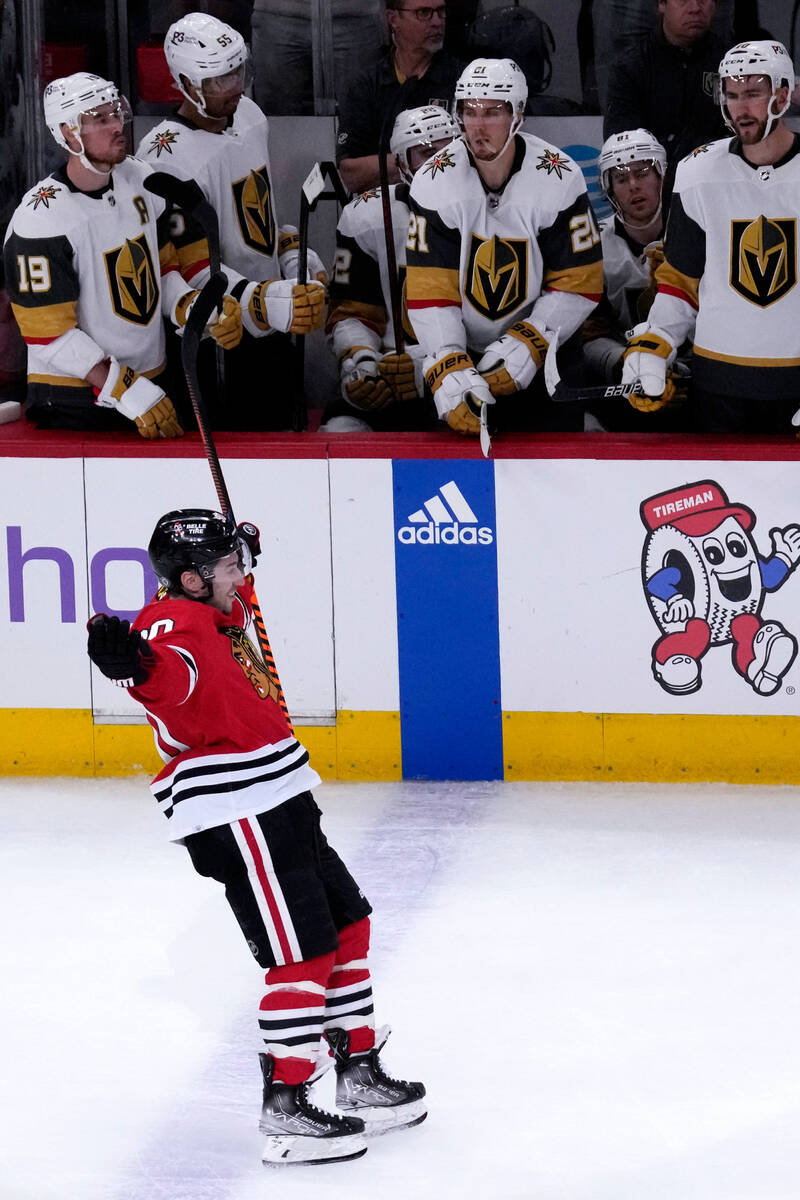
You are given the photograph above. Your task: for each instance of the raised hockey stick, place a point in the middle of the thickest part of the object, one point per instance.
(187, 195)
(312, 191)
(209, 299)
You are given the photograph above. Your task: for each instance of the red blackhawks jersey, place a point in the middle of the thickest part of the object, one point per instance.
(228, 748)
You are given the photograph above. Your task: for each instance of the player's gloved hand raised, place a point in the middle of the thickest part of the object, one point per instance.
(645, 362)
(250, 540)
(459, 392)
(289, 252)
(118, 651)
(140, 400)
(510, 363)
(225, 327)
(362, 384)
(283, 305)
(398, 371)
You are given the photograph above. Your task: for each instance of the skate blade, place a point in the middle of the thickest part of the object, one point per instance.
(282, 1151)
(386, 1119)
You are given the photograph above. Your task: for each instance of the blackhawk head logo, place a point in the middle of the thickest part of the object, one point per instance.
(253, 666)
(764, 258)
(497, 275)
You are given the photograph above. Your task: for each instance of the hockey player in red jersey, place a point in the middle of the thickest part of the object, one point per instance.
(236, 792)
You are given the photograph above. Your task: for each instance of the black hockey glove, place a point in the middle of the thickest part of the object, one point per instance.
(251, 544)
(118, 651)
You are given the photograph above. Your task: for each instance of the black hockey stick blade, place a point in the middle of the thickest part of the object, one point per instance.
(185, 192)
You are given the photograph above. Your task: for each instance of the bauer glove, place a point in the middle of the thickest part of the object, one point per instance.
(225, 327)
(398, 371)
(283, 305)
(250, 541)
(459, 392)
(362, 385)
(289, 252)
(118, 651)
(645, 362)
(509, 364)
(140, 400)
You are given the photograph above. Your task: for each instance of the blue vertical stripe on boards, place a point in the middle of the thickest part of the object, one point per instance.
(447, 621)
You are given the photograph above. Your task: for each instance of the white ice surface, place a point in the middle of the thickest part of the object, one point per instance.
(599, 985)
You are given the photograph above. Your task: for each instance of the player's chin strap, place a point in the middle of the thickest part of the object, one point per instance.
(84, 161)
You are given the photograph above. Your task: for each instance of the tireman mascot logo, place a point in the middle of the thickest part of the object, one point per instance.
(706, 582)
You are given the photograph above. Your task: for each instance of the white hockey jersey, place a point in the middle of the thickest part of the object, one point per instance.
(478, 261)
(233, 170)
(100, 263)
(730, 273)
(360, 300)
(628, 292)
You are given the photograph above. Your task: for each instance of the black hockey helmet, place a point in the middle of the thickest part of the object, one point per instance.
(190, 539)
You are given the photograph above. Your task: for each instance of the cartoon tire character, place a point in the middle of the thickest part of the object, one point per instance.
(706, 582)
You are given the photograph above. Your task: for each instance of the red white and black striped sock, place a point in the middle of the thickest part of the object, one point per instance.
(348, 995)
(291, 1017)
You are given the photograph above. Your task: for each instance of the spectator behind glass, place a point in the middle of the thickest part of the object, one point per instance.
(619, 24)
(291, 51)
(665, 82)
(416, 40)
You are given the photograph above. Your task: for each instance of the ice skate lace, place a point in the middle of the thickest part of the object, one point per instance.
(308, 1106)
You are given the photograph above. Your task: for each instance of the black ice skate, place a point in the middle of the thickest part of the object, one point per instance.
(363, 1086)
(298, 1132)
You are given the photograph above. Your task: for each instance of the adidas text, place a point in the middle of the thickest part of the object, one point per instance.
(445, 535)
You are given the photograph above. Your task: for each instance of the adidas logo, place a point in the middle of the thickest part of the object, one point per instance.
(445, 520)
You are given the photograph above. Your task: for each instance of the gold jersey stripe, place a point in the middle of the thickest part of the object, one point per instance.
(373, 315)
(193, 254)
(432, 284)
(47, 322)
(670, 277)
(746, 361)
(582, 281)
(168, 258)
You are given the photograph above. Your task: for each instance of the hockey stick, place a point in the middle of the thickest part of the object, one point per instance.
(312, 191)
(187, 194)
(209, 299)
(395, 298)
(562, 393)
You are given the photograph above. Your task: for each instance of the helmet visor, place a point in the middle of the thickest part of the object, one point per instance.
(237, 80)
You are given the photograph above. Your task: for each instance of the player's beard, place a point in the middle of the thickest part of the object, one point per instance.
(752, 133)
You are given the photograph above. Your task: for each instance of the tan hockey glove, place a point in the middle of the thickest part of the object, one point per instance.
(459, 392)
(283, 305)
(225, 327)
(645, 362)
(510, 363)
(289, 252)
(398, 371)
(140, 400)
(362, 384)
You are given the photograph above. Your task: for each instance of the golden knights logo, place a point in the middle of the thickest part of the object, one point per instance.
(132, 281)
(550, 161)
(44, 195)
(253, 666)
(163, 141)
(252, 200)
(363, 197)
(764, 258)
(497, 275)
(438, 163)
